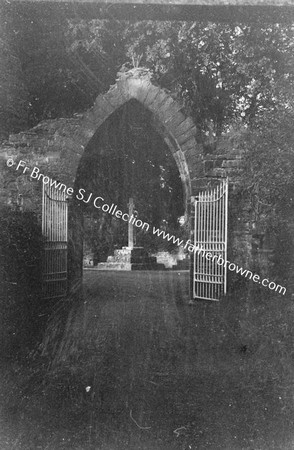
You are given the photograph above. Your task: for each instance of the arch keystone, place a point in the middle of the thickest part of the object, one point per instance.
(169, 120)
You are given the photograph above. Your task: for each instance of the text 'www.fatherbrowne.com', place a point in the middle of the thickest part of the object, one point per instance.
(98, 202)
(217, 258)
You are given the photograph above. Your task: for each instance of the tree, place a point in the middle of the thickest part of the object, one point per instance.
(222, 72)
(267, 183)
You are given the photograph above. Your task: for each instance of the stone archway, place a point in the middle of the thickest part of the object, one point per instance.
(177, 130)
(57, 146)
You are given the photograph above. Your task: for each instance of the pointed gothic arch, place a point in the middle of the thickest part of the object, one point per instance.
(56, 146)
(177, 130)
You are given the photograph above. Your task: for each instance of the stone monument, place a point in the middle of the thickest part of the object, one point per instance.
(130, 257)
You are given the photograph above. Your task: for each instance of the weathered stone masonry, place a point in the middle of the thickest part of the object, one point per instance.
(56, 144)
(56, 148)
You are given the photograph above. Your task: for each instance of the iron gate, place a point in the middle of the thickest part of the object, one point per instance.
(54, 228)
(210, 234)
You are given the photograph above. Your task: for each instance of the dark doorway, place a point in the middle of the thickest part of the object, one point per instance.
(127, 158)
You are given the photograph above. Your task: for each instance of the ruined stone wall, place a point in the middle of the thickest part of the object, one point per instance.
(246, 247)
(56, 147)
(51, 146)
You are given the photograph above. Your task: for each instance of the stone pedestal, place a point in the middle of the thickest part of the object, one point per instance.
(128, 258)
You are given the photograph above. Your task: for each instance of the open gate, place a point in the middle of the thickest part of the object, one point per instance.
(54, 228)
(210, 234)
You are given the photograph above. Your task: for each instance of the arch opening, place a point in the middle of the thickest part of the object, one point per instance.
(177, 130)
(128, 158)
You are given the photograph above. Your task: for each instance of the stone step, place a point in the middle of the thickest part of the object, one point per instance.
(130, 259)
(119, 258)
(143, 259)
(148, 267)
(126, 255)
(135, 252)
(128, 266)
(114, 266)
(182, 264)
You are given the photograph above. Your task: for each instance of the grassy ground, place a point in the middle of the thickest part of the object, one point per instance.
(136, 367)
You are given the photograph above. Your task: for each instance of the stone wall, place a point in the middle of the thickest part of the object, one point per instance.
(52, 148)
(56, 148)
(246, 246)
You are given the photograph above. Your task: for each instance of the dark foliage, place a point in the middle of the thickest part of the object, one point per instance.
(22, 311)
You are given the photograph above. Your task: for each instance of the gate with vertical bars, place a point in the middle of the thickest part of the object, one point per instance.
(54, 228)
(210, 234)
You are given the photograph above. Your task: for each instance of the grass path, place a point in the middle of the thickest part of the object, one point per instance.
(137, 368)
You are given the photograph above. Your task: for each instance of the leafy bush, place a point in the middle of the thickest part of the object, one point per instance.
(21, 305)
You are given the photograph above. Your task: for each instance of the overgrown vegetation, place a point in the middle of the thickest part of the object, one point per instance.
(22, 312)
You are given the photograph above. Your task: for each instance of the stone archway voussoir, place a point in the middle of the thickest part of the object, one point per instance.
(186, 137)
(175, 121)
(153, 92)
(117, 96)
(155, 105)
(190, 146)
(162, 111)
(185, 126)
(178, 130)
(136, 88)
(183, 169)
